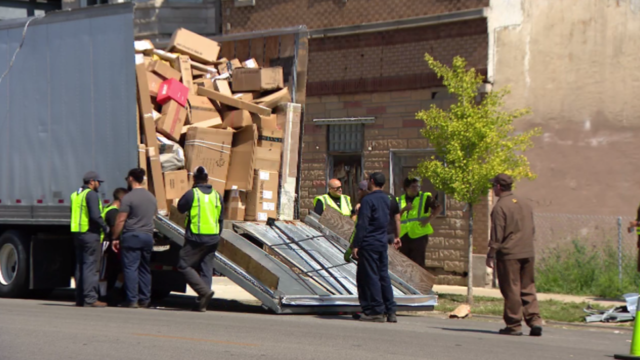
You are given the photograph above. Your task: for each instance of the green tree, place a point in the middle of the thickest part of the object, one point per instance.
(474, 140)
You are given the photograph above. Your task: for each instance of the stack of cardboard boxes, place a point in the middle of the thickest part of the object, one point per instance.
(220, 112)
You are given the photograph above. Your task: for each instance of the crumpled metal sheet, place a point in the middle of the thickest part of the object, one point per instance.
(613, 315)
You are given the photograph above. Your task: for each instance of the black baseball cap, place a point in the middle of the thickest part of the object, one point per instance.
(92, 175)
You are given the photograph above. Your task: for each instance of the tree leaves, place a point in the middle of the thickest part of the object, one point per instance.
(475, 137)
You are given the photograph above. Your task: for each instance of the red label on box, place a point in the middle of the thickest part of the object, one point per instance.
(173, 89)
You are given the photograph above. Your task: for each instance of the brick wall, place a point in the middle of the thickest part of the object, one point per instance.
(392, 60)
(317, 14)
(395, 128)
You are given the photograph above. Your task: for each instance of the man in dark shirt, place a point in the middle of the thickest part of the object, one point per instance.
(110, 268)
(199, 250)
(370, 246)
(88, 242)
(135, 221)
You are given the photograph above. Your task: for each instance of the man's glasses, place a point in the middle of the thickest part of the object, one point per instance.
(336, 188)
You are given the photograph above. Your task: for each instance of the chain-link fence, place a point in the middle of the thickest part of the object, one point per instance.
(572, 249)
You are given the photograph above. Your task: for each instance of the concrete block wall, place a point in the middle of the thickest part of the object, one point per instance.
(273, 14)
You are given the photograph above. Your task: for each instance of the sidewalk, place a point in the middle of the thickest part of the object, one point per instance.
(495, 293)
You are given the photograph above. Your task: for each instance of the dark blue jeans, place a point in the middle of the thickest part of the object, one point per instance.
(374, 285)
(87, 259)
(136, 248)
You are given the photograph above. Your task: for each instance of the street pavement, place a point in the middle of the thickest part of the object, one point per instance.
(55, 329)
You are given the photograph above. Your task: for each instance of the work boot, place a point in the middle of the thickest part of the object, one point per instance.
(392, 318)
(129, 305)
(536, 330)
(356, 316)
(373, 318)
(203, 302)
(144, 304)
(510, 331)
(96, 304)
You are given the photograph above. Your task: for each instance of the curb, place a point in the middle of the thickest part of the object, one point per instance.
(562, 323)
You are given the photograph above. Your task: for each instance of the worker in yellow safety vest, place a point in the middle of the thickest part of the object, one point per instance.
(415, 210)
(334, 199)
(87, 226)
(203, 206)
(111, 277)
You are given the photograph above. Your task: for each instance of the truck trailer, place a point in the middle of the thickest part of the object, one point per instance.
(68, 104)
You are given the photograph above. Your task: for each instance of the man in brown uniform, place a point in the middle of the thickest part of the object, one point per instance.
(511, 244)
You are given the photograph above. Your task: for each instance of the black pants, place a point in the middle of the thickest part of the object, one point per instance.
(415, 249)
(136, 248)
(196, 264)
(87, 262)
(374, 285)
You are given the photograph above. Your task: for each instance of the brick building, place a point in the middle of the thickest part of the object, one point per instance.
(366, 80)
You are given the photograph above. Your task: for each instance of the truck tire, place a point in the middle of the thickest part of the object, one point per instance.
(14, 265)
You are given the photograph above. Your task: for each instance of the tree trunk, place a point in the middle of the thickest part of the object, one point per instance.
(470, 254)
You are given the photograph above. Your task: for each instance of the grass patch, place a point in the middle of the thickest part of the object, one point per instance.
(581, 270)
(549, 309)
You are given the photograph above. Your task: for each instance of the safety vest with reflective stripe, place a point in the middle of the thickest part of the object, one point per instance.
(104, 217)
(205, 213)
(410, 220)
(79, 211)
(345, 203)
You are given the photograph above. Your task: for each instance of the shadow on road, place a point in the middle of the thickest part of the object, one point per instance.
(174, 302)
(472, 331)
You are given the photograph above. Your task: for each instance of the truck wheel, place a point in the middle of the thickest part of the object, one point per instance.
(14, 265)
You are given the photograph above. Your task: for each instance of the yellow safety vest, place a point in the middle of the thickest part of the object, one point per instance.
(104, 217)
(410, 221)
(80, 212)
(205, 213)
(345, 203)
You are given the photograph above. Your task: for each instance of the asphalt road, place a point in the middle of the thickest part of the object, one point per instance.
(50, 329)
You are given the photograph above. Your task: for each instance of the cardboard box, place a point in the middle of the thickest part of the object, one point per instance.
(267, 122)
(237, 119)
(213, 123)
(157, 183)
(222, 86)
(204, 82)
(172, 120)
(270, 139)
(257, 79)
(172, 89)
(176, 184)
(234, 64)
(268, 159)
(154, 82)
(202, 109)
(233, 102)
(262, 200)
(184, 64)
(197, 47)
(240, 176)
(250, 64)
(142, 160)
(275, 99)
(145, 106)
(163, 69)
(210, 148)
(289, 116)
(235, 205)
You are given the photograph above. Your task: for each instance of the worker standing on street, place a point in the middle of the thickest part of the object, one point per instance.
(335, 199)
(370, 246)
(202, 235)
(511, 244)
(87, 226)
(110, 267)
(415, 210)
(133, 237)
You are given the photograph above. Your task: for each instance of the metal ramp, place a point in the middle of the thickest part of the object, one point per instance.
(311, 275)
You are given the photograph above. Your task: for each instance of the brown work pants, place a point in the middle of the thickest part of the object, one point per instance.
(518, 288)
(415, 249)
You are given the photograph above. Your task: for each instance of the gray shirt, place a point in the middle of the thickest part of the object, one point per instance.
(142, 207)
